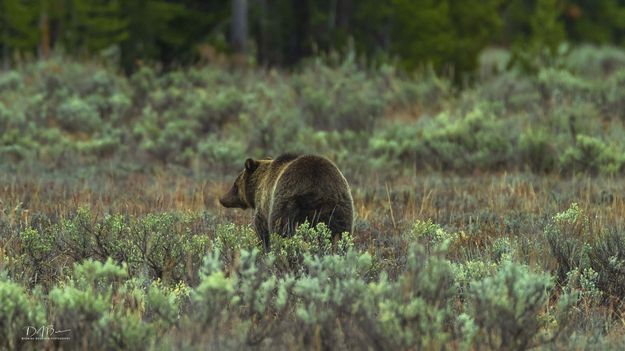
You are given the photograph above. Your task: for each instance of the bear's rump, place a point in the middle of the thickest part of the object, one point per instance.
(310, 189)
(288, 212)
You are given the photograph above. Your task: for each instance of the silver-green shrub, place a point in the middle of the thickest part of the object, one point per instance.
(20, 313)
(508, 309)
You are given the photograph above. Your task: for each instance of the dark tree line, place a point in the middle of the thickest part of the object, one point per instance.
(444, 33)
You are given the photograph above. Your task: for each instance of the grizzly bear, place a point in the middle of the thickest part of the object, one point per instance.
(292, 189)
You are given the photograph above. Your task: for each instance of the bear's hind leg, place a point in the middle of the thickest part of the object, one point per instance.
(260, 226)
(283, 218)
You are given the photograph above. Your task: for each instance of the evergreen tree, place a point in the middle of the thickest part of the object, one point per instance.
(443, 33)
(97, 24)
(598, 21)
(149, 25)
(170, 31)
(546, 32)
(547, 27)
(18, 27)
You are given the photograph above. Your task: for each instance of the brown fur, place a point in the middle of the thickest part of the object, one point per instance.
(289, 190)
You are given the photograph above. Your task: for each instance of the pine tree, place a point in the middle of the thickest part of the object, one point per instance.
(597, 21)
(90, 26)
(546, 26)
(446, 34)
(18, 27)
(540, 46)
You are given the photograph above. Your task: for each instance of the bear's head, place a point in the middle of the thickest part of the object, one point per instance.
(241, 195)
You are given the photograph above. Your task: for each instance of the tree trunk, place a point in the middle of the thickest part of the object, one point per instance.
(5, 49)
(4, 35)
(332, 15)
(44, 26)
(263, 35)
(299, 38)
(344, 13)
(239, 26)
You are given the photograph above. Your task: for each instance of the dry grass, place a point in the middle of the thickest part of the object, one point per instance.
(485, 206)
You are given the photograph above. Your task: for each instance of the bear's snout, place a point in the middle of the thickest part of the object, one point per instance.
(231, 200)
(223, 200)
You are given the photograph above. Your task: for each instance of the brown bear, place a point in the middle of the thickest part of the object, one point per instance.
(289, 190)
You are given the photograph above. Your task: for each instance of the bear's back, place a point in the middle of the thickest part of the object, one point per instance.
(312, 188)
(310, 173)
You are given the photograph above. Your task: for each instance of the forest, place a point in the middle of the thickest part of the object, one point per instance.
(449, 35)
(483, 141)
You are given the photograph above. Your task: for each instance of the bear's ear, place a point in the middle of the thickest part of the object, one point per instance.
(251, 165)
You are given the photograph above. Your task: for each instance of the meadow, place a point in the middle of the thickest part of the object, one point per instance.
(489, 216)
